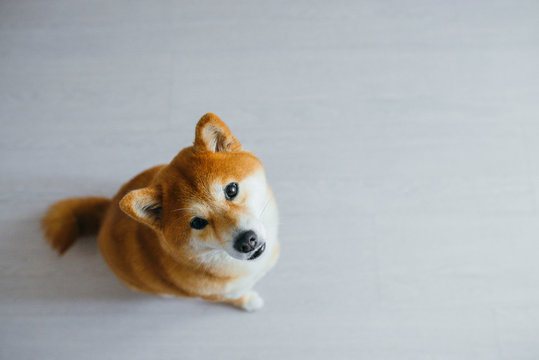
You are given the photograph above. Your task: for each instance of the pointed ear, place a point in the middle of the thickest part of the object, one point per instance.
(143, 205)
(213, 135)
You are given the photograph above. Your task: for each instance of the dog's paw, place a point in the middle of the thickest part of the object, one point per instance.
(251, 301)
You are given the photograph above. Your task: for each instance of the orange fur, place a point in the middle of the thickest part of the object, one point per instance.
(145, 234)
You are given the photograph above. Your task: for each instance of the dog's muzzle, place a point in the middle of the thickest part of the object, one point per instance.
(247, 243)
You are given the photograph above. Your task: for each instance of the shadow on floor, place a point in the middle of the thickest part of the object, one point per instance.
(34, 271)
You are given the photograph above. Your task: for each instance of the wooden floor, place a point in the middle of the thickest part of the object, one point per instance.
(401, 139)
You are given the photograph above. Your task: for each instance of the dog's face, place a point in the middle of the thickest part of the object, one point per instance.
(210, 204)
(217, 202)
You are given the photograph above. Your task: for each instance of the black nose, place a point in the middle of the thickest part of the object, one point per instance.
(246, 241)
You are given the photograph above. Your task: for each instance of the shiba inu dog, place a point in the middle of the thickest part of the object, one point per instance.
(204, 225)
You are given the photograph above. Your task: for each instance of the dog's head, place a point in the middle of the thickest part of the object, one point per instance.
(212, 202)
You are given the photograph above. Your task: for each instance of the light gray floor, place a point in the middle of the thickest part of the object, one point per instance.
(401, 138)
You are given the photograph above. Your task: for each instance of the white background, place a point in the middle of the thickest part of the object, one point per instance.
(401, 139)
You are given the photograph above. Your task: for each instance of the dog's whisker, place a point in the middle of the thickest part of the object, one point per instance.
(264, 208)
(183, 209)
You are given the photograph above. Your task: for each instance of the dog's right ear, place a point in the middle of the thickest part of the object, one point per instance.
(143, 205)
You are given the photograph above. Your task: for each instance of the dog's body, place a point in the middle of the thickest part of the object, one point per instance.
(204, 225)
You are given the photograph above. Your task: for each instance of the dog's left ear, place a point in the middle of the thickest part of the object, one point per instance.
(143, 205)
(212, 134)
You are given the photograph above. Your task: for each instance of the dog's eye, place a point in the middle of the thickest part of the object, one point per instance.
(198, 223)
(231, 190)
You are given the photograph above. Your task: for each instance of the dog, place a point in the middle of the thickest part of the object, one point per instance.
(204, 225)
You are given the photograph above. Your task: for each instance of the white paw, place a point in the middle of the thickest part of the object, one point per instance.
(252, 302)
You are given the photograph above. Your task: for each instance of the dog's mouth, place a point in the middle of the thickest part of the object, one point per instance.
(257, 252)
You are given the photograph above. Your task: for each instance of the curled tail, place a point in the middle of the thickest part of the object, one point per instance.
(68, 219)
